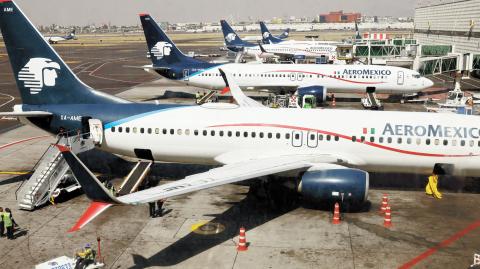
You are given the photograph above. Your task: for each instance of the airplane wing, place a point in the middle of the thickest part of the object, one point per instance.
(26, 114)
(226, 174)
(147, 67)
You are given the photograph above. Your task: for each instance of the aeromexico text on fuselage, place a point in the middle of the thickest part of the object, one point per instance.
(431, 131)
(179, 72)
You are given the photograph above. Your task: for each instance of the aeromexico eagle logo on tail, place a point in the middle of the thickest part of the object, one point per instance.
(266, 35)
(161, 49)
(37, 73)
(230, 37)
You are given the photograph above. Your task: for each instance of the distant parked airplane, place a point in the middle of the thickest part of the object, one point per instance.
(56, 39)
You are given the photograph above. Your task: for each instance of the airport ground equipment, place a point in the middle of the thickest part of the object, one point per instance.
(206, 98)
(66, 262)
(51, 172)
(135, 177)
(387, 222)
(431, 188)
(370, 101)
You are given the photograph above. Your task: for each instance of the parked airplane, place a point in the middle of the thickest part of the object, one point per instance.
(289, 49)
(267, 37)
(168, 61)
(328, 152)
(56, 39)
(282, 36)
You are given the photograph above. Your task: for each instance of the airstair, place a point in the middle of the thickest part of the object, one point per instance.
(135, 177)
(370, 101)
(51, 171)
(206, 98)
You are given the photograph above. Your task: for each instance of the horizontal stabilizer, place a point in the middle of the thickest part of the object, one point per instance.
(26, 114)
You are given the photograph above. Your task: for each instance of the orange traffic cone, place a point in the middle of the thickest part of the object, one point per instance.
(242, 241)
(336, 214)
(333, 102)
(384, 205)
(387, 223)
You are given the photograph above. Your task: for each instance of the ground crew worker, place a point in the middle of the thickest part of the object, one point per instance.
(431, 188)
(85, 257)
(197, 97)
(152, 212)
(8, 222)
(160, 207)
(2, 227)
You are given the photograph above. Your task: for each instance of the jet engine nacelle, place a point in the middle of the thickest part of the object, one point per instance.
(332, 183)
(320, 92)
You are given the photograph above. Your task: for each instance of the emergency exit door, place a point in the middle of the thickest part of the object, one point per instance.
(400, 78)
(297, 138)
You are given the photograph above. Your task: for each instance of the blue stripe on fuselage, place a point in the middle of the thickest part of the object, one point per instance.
(138, 116)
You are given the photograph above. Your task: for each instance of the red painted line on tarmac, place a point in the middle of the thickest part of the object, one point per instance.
(442, 244)
(23, 140)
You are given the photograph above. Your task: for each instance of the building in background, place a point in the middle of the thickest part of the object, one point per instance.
(339, 16)
(452, 22)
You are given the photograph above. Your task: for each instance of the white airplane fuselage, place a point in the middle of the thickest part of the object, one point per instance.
(336, 78)
(373, 141)
(303, 49)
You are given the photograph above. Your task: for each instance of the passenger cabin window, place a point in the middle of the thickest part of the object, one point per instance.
(164, 131)
(462, 143)
(172, 132)
(427, 141)
(354, 138)
(229, 133)
(445, 142)
(179, 132)
(134, 129)
(372, 139)
(389, 140)
(195, 132)
(320, 137)
(380, 139)
(142, 130)
(127, 129)
(113, 129)
(287, 136)
(187, 131)
(205, 132)
(157, 131)
(337, 138)
(279, 135)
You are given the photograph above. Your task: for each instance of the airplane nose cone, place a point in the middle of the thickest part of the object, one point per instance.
(427, 83)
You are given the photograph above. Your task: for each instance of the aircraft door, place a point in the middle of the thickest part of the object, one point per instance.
(400, 78)
(96, 131)
(297, 138)
(292, 76)
(186, 74)
(312, 139)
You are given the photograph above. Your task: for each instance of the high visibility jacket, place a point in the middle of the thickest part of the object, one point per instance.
(7, 219)
(86, 254)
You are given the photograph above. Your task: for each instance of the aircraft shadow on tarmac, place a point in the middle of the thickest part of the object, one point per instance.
(249, 213)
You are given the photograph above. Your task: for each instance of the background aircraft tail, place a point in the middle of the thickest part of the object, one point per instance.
(41, 75)
(162, 50)
(357, 32)
(232, 40)
(267, 37)
(285, 34)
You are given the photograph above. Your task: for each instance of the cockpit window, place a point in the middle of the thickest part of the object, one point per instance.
(416, 76)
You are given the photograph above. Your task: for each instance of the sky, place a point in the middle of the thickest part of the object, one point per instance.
(124, 12)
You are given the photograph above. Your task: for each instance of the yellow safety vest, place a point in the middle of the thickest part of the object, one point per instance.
(7, 219)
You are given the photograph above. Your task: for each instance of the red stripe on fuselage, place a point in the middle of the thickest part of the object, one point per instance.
(424, 154)
(315, 73)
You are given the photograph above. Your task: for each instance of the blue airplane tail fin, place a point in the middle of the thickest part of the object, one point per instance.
(285, 34)
(163, 52)
(41, 75)
(232, 40)
(267, 37)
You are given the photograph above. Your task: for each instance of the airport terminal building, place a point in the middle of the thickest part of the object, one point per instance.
(450, 22)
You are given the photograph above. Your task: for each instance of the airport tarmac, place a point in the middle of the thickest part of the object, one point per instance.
(426, 233)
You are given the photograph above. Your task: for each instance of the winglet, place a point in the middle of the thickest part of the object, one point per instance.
(237, 93)
(95, 209)
(92, 187)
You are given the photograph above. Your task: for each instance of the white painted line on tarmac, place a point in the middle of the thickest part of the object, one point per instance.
(9, 101)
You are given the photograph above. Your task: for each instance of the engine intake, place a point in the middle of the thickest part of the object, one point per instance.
(333, 184)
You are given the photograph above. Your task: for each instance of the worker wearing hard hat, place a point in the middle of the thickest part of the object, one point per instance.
(85, 257)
